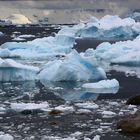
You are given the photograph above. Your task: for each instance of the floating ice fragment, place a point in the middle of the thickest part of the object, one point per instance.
(103, 86)
(19, 107)
(6, 137)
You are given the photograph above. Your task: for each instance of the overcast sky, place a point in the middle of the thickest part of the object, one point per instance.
(41, 7)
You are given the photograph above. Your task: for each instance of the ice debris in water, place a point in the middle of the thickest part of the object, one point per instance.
(72, 68)
(47, 47)
(1, 33)
(101, 86)
(19, 107)
(87, 105)
(97, 137)
(65, 108)
(10, 70)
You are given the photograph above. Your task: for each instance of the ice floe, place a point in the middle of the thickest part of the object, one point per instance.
(87, 105)
(10, 70)
(19, 107)
(65, 108)
(103, 86)
(72, 68)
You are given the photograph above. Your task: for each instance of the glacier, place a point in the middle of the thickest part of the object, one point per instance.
(10, 70)
(72, 68)
(47, 47)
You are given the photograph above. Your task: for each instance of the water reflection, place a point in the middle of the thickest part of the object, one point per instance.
(73, 91)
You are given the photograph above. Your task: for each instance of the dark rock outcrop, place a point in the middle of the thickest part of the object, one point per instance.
(134, 100)
(130, 125)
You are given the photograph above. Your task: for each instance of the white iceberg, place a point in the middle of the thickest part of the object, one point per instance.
(103, 86)
(19, 107)
(123, 52)
(10, 70)
(47, 47)
(18, 19)
(108, 27)
(72, 68)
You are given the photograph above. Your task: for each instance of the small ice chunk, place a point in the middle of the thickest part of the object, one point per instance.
(97, 137)
(87, 105)
(108, 114)
(6, 137)
(65, 108)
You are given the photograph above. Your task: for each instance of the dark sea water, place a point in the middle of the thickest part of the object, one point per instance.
(37, 125)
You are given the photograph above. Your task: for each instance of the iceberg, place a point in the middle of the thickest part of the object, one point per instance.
(123, 52)
(10, 70)
(103, 86)
(108, 27)
(72, 31)
(72, 68)
(47, 47)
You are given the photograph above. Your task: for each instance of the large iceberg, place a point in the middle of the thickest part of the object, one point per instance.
(108, 27)
(72, 68)
(10, 70)
(124, 52)
(47, 47)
